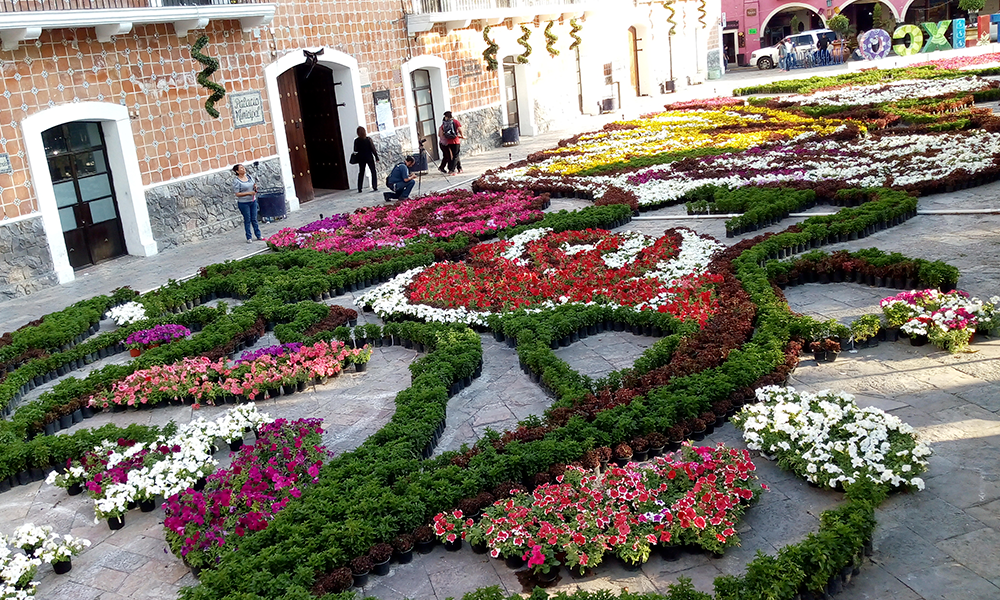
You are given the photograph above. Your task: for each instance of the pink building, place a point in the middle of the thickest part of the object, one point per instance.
(752, 24)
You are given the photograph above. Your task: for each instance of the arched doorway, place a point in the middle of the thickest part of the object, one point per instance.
(633, 59)
(88, 184)
(779, 24)
(924, 11)
(312, 127)
(863, 15)
(320, 109)
(77, 158)
(512, 113)
(426, 92)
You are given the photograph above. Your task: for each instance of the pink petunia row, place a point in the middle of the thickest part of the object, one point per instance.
(204, 380)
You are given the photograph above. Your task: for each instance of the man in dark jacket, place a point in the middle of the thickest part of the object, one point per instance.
(400, 181)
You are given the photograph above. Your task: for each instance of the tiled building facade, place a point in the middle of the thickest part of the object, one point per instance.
(106, 148)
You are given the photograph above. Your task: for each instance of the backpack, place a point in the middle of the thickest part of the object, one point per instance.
(449, 130)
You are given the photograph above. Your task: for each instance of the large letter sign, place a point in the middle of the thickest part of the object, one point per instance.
(937, 40)
(958, 33)
(874, 44)
(916, 40)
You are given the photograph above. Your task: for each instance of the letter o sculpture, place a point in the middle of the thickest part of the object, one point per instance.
(874, 44)
(916, 40)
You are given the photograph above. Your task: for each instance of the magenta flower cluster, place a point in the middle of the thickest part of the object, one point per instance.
(275, 351)
(161, 334)
(331, 223)
(244, 498)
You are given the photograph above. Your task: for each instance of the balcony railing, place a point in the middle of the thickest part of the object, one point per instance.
(24, 20)
(42, 5)
(456, 6)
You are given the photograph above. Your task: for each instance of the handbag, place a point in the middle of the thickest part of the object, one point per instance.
(354, 158)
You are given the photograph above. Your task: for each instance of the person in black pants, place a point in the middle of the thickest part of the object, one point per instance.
(367, 157)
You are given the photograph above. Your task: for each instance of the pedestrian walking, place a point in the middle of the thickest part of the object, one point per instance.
(245, 188)
(450, 140)
(366, 156)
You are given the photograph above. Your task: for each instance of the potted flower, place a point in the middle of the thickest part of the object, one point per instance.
(864, 330)
(360, 568)
(476, 537)
(60, 550)
(423, 538)
(403, 546)
(380, 555)
(30, 537)
(623, 454)
(449, 527)
(150, 338)
(543, 563)
(113, 506)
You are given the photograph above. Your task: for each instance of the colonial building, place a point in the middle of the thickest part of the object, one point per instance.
(753, 24)
(106, 147)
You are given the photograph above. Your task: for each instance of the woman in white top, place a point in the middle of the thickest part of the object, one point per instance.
(245, 189)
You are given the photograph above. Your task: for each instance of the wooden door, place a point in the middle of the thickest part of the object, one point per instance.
(423, 102)
(633, 40)
(510, 85)
(295, 134)
(85, 192)
(321, 126)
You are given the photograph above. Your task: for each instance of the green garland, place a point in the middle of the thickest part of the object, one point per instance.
(211, 66)
(576, 27)
(551, 39)
(670, 18)
(523, 40)
(490, 54)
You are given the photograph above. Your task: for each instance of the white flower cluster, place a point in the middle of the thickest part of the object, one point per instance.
(391, 298)
(126, 314)
(826, 438)
(40, 545)
(519, 243)
(890, 91)
(191, 458)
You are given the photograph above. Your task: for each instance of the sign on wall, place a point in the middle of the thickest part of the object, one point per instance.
(247, 109)
(5, 167)
(383, 110)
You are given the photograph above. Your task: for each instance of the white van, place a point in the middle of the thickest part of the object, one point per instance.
(767, 58)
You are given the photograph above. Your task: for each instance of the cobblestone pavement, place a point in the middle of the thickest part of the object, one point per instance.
(943, 542)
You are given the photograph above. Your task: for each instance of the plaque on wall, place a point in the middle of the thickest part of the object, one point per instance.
(383, 110)
(5, 167)
(247, 109)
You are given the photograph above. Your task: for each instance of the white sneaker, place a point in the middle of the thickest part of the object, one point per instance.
(249, 241)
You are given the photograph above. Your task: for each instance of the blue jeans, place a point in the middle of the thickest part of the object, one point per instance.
(249, 211)
(402, 189)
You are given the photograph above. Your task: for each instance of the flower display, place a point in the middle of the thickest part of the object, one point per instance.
(830, 441)
(695, 496)
(40, 546)
(891, 91)
(539, 268)
(947, 319)
(117, 473)
(451, 526)
(263, 478)
(58, 548)
(126, 314)
(204, 380)
(436, 215)
(161, 334)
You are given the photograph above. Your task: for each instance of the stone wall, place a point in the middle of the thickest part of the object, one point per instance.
(481, 129)
(203, 207)
(25, 260)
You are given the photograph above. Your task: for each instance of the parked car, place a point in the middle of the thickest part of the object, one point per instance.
(767, 58)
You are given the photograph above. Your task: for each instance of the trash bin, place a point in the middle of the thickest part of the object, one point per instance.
(510, 136)
(271, 203)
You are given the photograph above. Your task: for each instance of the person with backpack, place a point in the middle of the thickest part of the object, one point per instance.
(400, 181)
(450, 140)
